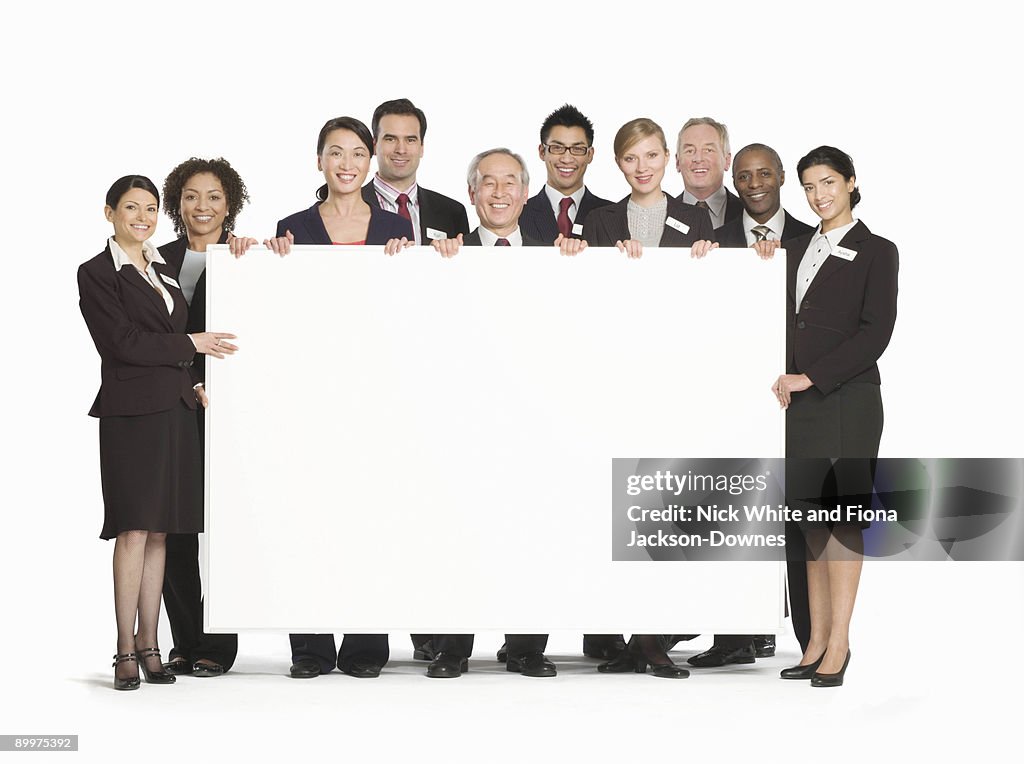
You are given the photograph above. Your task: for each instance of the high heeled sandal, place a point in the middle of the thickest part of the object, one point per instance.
(129, 683)
(153, 677)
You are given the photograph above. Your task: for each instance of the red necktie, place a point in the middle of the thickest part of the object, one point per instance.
(564, 224)
(502, 243)
(403, 206)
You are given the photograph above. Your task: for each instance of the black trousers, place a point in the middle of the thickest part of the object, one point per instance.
(183, 599)
(320, 647)
(517, 644)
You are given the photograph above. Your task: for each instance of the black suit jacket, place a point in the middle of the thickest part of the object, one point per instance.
(472, 239)
(308, 227)
(145, 354)
(847, 316)
(174, 253)
(437, 211)
(538, 220)
(607, 225)
(732, 234)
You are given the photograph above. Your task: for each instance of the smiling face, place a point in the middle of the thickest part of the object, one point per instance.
(828, 194)
(345, 162)
(399, 149)
(565, 171)
(500, 194)
(702, 160)
(643, 164)
(757, 180)
(134, 218)
(204, 205)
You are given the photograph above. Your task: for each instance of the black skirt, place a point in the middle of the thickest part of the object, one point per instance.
(152, 473)
(845, 426)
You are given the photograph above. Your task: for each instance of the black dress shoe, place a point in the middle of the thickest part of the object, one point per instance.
(531, 664)
(802, 672)
(831, 680)
(304, 668)
(447, 666)
(604, 648)
(207, 669)
(362, 668)
(424, 651)
(634, 660)
(502, 655)
(178, 666)
(764, 646)
(720, 655)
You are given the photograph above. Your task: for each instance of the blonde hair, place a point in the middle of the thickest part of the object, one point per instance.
(635, 131)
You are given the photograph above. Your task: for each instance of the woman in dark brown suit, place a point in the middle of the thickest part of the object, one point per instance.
(149, 442)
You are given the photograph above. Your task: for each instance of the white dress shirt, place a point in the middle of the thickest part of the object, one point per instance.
(555, 197)
(821, 246)
(387, 195)
(775, 224)
(149, 252)
(488, 237)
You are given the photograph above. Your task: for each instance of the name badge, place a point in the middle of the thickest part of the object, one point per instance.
(843, 252)
(577, 229)
(170, 281)
(671, 222)
(435, 234)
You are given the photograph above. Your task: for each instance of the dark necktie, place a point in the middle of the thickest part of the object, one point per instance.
(702, 204)
(502, 243)
(564, 224)
(761, 232)
(403, 206)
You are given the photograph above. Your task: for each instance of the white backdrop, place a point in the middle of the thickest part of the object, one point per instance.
(921, 96)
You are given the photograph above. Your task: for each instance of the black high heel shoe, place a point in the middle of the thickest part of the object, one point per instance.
(831, 680)
(153, 677)
(634, 659)
(129, 683)
(802, 672)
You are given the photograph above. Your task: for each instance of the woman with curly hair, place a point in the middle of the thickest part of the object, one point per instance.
(202, 197)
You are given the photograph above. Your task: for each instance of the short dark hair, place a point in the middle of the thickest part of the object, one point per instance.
(776, 159)
(401, 107)
(835, 158)
(344, 123)
(230, 181)
(122, 185)
(567, 115)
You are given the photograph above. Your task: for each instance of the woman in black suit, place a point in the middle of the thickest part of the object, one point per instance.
(344, 148)
(149, 443)
(202, 197)
(842, 284)
(648, 216)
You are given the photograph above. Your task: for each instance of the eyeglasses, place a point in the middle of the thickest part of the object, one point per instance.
(558, 149)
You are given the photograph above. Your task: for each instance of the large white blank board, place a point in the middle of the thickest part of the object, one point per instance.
(416, 443)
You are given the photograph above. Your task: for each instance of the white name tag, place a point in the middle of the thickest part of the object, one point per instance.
(673, 223)
(170, 281)
(843, 252)
(434, 234)
(577, 229)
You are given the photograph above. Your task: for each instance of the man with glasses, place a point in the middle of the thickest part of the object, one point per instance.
(566, 148)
